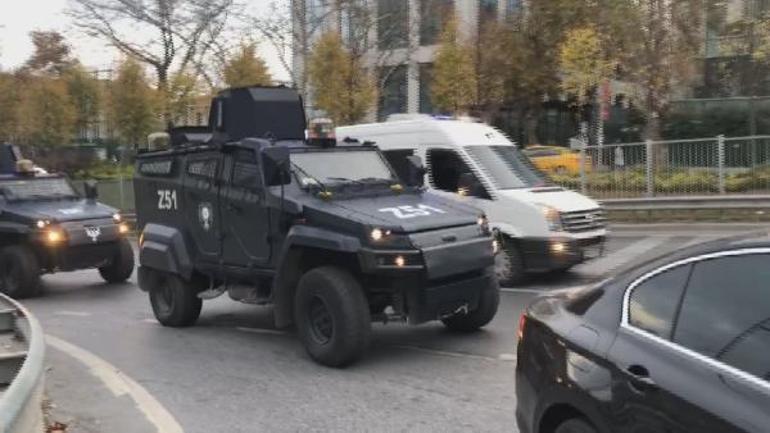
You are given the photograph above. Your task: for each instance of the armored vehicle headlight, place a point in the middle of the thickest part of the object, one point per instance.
(123, 228)
(41, 224)
(378, 234)
(117, 218)
(54, 236)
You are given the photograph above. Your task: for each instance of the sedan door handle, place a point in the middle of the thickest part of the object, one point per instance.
(641, 381)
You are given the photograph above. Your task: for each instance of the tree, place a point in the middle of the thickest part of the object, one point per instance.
(246, 68)
(183, 94)
(46, 115)
(583, 63)
(340, 85)
(454, 80)
(178, 35)
(662, 55)
(132, 103)
(52, 55)
(83, 89)
(8, 106)
(492, 58)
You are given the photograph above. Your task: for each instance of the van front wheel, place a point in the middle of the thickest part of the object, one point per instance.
(509, 264)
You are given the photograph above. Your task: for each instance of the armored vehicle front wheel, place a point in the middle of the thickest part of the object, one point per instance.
(19, 272)
(489, 300)
(121, 266)
(332, 316)
(175, 302)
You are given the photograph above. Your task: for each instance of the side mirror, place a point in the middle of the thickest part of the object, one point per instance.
(469, 185)
(416, 172)
(276, 165)
(92, 193)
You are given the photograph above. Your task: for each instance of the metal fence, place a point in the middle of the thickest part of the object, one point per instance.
(712, 166)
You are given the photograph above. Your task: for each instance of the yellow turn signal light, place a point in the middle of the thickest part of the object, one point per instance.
(54, 236)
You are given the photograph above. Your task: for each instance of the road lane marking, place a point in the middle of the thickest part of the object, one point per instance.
(622, 256)
(260, 330)
(121, 384)
(444, 352)
(72, 313)
(509, 357)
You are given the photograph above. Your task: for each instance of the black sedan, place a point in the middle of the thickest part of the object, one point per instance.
(677, 344)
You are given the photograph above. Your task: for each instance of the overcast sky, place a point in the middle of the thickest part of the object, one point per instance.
(19, 17)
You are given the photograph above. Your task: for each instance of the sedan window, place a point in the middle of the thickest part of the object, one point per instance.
(725, 313)
(653, 303)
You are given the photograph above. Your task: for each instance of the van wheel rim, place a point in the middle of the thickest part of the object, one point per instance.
(321, 324)
(503, 266)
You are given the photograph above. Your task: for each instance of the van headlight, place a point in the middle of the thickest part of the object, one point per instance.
(552, 217)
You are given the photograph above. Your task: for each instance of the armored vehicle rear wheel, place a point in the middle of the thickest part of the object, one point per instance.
(575, 425)
(332, 316)
(489, 300)
(19, 272)
(175, 302)
(122, 265)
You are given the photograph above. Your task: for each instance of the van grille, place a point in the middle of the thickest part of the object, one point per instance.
(584, 220)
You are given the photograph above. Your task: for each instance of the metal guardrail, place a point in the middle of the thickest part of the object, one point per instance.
(22, 351)
(725, 202)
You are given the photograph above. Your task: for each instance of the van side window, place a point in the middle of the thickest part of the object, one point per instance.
(448, 172)
(398, 160)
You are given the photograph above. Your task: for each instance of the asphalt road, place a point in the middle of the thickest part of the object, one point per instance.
(113, 368)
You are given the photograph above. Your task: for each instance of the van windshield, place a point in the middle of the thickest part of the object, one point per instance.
(330, 167)
(508, 167)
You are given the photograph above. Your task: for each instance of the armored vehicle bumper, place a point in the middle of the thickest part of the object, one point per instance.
(78, 244)
(442, 276)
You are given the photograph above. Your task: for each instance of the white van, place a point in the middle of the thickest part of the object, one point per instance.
(542, 227)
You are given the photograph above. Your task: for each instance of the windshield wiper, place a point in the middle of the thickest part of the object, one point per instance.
(348, 180)
(309, 176)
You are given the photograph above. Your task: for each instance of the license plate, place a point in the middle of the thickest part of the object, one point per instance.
(593, 251)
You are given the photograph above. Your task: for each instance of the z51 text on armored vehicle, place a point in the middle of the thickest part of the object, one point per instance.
(326, 233)
(46, 227)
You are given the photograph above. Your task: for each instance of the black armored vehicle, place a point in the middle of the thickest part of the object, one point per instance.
(324, 231)
(46, 227)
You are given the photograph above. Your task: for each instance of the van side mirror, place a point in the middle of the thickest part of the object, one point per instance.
(469, 185)
(276, 165)
(91, 191)
(416, 171)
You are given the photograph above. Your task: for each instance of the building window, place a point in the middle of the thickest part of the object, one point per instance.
(392, 24)
(426, 78)
(393, 96)
(487, 11)
(433, 16)
(513, 7)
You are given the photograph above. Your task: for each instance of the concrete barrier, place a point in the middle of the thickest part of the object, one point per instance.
(21, 369)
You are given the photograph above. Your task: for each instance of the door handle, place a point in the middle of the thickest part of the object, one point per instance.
(640, 381)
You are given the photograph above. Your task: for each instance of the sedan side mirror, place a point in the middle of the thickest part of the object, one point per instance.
(416, 172)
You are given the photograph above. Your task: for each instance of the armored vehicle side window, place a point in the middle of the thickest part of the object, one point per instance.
(206, 168)
(398, 160)
(245, 170)
(157, 167)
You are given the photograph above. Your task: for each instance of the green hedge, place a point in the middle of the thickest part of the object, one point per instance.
(672, 181)
(104, 171)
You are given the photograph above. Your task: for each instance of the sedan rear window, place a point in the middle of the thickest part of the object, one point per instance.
(653, 303)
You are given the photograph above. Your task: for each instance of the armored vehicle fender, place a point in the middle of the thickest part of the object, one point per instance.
(301, 241)
(163, 248)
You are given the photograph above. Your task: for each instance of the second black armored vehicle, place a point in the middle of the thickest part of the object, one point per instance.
(326, 233)
(46, 226)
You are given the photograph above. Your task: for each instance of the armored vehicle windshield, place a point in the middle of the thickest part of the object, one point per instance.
(37, 188)
(337, 166)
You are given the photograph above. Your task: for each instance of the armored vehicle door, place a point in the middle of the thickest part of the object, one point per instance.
(245, 216)
(201, 203)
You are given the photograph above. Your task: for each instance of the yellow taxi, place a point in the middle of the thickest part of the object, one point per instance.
(555, 159)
